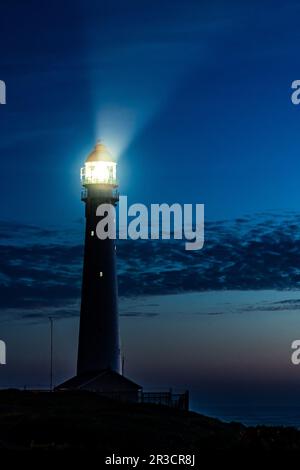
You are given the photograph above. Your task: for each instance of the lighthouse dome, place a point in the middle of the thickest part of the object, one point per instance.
(99, 168)
(100, 154)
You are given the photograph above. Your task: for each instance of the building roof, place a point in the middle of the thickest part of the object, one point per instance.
(105, 381)
(100, 154)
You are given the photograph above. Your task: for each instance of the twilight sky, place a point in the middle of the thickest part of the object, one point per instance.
(194, 100)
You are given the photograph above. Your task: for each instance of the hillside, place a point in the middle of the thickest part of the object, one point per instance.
(35, 420)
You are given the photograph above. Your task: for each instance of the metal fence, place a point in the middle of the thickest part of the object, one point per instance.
(173, 400)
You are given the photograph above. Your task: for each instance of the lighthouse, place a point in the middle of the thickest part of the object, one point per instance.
(99, 343)
(99, 357)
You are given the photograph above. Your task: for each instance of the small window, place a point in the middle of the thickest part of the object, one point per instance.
(101, 274)
(92, 233)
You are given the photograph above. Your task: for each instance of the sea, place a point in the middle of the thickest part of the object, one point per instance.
(255, 415)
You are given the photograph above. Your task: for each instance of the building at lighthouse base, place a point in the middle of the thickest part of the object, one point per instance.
(107, 383)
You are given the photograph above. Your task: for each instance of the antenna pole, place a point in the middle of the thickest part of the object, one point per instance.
(51, 353)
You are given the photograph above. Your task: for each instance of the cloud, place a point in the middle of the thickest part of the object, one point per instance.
(139, 314)
(279, 306)
(43, 273)
(209, 313)
(260, 252)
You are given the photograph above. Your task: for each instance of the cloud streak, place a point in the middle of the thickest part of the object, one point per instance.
(43, 275)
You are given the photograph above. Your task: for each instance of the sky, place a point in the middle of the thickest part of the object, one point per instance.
(194, 100)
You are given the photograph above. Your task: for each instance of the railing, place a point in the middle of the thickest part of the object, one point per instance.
(170, 399)
(109, 193)
(84, 193)
(173, 400)
(85, 180)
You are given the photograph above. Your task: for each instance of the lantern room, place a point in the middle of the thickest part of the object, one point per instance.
(99, 167)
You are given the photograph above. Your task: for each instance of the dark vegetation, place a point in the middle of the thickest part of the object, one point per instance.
(82, 421)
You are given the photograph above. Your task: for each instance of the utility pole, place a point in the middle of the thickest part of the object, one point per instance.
(51, 353)
(123, 364)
